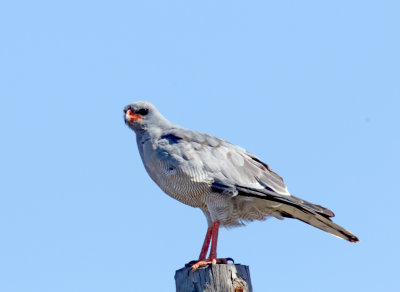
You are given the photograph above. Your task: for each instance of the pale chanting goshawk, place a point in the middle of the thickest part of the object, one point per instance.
(230, 185)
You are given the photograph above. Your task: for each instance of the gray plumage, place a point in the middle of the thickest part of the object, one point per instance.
(225, 181)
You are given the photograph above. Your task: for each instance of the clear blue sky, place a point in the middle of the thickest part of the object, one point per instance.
(311, 87)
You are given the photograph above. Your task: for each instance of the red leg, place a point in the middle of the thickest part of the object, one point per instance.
(214, 232)
(206, 244)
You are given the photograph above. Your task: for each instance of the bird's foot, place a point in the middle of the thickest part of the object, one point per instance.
(210, 261)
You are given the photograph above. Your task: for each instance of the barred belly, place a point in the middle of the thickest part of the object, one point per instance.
(179, 185)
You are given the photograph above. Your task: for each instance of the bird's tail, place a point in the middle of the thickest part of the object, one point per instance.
(293, 207)
(319, 221)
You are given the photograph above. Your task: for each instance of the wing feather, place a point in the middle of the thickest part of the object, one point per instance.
(223, 161)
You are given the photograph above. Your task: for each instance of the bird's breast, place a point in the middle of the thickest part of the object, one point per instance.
(185, 185)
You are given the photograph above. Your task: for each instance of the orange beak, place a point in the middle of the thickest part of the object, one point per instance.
(131, 116)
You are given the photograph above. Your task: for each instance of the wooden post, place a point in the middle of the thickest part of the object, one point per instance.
(217, 278)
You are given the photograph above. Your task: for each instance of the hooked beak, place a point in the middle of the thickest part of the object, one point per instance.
(131, 117)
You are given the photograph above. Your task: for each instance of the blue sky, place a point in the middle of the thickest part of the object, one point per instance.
(310, 87)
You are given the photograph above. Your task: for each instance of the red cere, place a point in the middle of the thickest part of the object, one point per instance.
(131, 116)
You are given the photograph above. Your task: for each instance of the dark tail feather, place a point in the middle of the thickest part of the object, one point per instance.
(293, 207)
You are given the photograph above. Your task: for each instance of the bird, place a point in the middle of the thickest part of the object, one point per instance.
(230, 185)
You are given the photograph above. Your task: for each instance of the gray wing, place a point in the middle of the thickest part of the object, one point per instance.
(221, 162)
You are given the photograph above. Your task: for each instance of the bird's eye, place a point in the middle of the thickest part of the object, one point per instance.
(143, 111)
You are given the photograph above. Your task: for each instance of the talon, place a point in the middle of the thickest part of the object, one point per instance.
(209, 261)
(200, 264)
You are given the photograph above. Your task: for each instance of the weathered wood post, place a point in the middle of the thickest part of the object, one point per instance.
(214, 278)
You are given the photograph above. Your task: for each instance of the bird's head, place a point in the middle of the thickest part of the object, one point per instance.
(141, 115)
